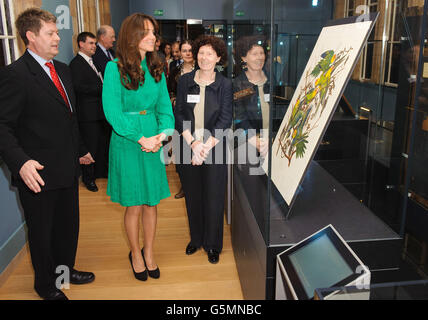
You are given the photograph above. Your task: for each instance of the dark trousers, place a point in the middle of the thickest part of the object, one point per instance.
(96, 136)
(52, 218)
(205, 189)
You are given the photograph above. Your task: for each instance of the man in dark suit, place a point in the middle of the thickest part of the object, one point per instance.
(104, 53)
(40, 143)
(176, 56)
(94, 129)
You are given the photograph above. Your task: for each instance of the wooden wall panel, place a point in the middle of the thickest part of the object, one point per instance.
(19, 6)
(339, 9)
(356, 75)
(73, 14)
(89, 16)
(105, 15)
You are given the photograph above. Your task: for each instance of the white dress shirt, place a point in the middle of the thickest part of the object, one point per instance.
(91, 64)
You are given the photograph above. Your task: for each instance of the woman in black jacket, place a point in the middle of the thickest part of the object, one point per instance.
(251, 123)
(203, 112)
(251, 93)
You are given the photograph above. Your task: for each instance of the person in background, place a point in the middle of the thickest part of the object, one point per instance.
(137, 105)
(166, 49)
(94, 129)
(40, 144)
(204, 98)
(105, 42)
(161, 55)
(176, 57)
(187, 66)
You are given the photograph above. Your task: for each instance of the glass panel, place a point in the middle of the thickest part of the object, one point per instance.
(13, 56)
(395, 63)
(253, 57)
(388, 62)
(9, 21)
(1, 18)
(2, 54)
(369, 61)
(373, 154)
(418, 157)
(364, 160)
(414, 290)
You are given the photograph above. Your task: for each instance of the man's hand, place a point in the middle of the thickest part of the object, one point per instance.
(31, 177)
(86, 159)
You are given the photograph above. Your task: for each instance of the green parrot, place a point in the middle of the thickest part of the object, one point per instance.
(310, 96)
(324, 69)
(325, 63)
(297, 114)
(298, 136)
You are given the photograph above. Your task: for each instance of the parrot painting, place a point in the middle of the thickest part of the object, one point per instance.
(315, 94)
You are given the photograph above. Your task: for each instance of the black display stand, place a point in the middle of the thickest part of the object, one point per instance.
(321, 201)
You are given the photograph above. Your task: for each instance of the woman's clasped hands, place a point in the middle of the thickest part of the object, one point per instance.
(200, 152)
(152, 144)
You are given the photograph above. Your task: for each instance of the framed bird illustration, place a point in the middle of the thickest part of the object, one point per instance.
(316, 97)
(310, 104)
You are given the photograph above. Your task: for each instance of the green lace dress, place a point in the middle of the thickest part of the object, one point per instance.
(136, 177)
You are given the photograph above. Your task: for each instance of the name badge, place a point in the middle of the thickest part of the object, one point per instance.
(267, 97)
(193, 98)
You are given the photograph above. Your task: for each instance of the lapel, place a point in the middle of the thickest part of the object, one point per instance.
(193, 87)
(104, 53)
(45, 82)
(67, 82)
(86, 65)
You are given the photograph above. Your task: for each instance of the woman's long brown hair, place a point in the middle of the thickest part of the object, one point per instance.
(133, 29)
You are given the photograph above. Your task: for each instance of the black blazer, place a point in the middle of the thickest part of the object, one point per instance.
(88, 88)
(172, 81)
(100, 59)
(247, 111)
(173, 65)
(36, 123)
(218, 104)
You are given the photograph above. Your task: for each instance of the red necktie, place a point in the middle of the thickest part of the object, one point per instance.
(57, 83)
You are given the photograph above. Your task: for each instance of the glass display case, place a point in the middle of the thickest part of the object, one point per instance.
(409, 290)
(366, 176)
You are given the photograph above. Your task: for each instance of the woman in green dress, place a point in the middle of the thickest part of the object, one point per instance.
(137, 105)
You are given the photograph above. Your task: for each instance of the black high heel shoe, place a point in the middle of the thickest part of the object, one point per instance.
(155, 274)
(142, 276)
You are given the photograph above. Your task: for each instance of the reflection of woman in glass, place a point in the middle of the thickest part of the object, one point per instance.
(251, 93)
(204, 101)
(137, 105)
(188, 65)
(251, 108)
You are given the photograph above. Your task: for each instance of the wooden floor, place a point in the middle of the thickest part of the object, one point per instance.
(103, 249)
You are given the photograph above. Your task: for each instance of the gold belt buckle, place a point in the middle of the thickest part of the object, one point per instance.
(144, 112)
